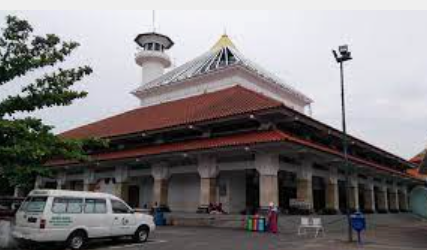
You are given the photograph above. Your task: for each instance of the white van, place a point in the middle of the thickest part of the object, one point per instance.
(75, 217)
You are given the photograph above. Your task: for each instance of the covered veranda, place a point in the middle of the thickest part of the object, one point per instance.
(242, 172)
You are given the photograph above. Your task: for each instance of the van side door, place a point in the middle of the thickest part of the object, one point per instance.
(123, 219)
(95, 215)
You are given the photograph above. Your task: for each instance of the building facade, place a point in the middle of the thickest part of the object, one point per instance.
(221, 129)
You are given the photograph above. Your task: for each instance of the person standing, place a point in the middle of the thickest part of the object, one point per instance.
(272, 218)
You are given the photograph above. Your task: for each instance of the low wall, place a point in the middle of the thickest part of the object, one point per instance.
(287, 223)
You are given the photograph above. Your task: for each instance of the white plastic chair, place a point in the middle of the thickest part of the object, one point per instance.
(317, 224)
(305, 223)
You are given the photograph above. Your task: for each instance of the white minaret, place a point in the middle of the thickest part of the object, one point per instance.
(151, 55)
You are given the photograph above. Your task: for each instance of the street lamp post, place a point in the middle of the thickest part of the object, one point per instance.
(345, 55)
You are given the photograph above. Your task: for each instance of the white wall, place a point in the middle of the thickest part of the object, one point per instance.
(215, 82)
(235, 200)
(184, 191)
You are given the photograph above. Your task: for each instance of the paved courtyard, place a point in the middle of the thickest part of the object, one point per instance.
(402, 232)
(396, 237)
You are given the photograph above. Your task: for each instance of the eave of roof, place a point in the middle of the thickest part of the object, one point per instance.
(245, 139)
(307, 119)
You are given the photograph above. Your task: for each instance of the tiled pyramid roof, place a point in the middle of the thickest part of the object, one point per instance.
(223, 103)
(223, 54)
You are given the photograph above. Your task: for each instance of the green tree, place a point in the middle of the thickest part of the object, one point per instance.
(26, 143)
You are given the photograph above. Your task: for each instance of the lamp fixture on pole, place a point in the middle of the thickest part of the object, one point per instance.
(343, 56)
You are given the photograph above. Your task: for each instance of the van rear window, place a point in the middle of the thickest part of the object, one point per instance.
(34, 204)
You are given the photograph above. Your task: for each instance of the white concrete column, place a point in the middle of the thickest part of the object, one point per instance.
(89, 181)
(39, 182)
(161, 174)
(403, 199)
(61, 180)
(394, 198)
(353, 192)
(369, 195)
(267, 165)
(304, 183)
(332, 195)
(208, 171)
(17, 192)
(382, 197)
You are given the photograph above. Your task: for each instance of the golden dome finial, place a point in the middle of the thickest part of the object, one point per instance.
(224, 41)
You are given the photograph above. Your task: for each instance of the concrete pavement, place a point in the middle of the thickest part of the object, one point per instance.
(410, 237)
(402, 232)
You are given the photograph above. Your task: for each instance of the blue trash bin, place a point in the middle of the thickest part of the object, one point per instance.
(358, 223)
(159, 218)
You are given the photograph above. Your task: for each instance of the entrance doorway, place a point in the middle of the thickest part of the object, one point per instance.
(377, 198)
(362, 201)
(133, 196)
(252, 191)
(76, 185)
(319, 193)
(287, 189)
(342, 193)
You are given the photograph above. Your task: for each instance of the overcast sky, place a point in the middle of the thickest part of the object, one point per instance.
(386, 82)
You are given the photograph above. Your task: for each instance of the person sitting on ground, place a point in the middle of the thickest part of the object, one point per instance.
(211, 207)
(217, 209)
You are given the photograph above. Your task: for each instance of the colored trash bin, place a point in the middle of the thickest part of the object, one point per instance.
(358, 223)
(249, 223)
(261, 224)
(159, 218)
(255, 223)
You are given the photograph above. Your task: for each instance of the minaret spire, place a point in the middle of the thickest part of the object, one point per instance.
(154, 20)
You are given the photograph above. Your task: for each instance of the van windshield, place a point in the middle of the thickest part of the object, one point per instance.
(34, 204)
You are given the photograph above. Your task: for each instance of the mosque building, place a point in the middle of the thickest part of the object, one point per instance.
(221, 129)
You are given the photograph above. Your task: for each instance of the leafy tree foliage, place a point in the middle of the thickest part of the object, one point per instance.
(26, 143)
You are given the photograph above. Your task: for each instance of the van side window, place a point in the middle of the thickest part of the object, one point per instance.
(67, 205)
(95, 206)
(119, 207)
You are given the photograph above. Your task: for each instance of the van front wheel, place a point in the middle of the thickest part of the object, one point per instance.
(77, 240)
(141, 234)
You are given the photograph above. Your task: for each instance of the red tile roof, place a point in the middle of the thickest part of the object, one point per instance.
(246, 139)
(418, 158)
(416, 173)
(228, 102)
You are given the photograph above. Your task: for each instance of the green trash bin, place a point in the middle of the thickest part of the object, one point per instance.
(249, 224)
